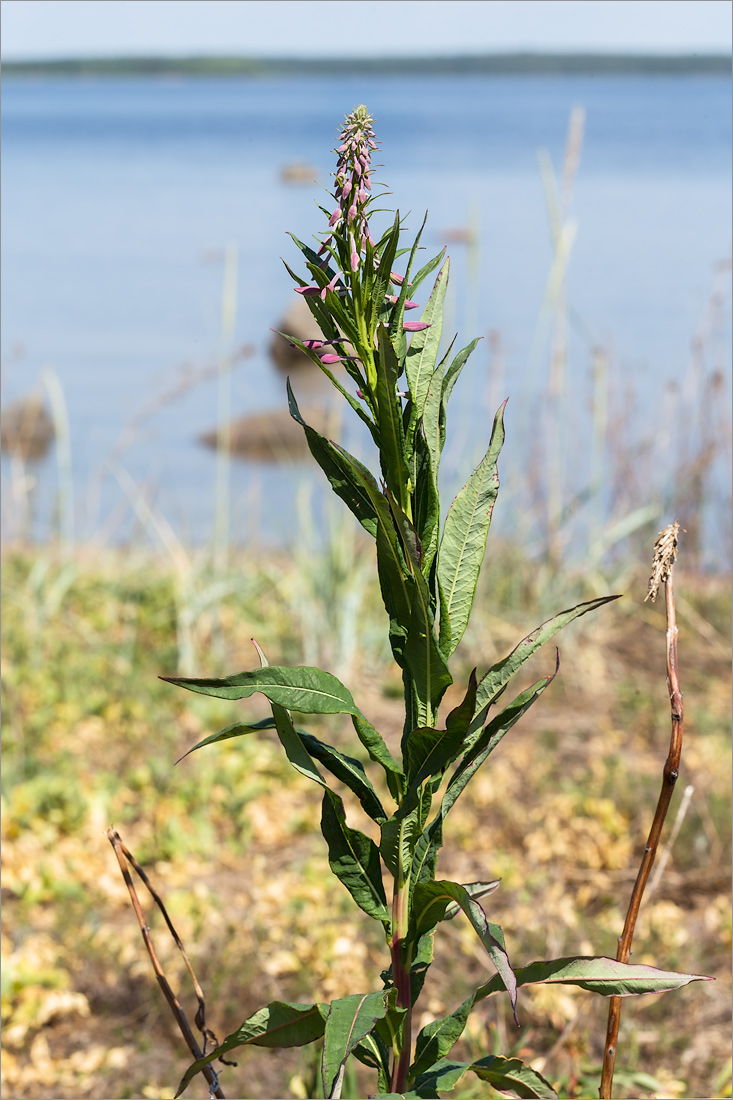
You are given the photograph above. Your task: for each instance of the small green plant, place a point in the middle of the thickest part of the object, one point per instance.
(400, 390)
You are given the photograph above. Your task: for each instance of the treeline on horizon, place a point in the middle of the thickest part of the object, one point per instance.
(499, 64)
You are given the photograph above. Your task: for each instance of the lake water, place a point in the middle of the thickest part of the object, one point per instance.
(119, 197)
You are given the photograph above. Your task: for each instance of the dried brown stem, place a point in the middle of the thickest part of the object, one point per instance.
(663, 572)
(122, 854)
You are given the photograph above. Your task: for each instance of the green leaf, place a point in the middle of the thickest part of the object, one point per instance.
(372, 1051)
(500, 673)
(391, 432)
(303, 688)
(239, 729)
(599, 975)
(490, 738)
(279, 1024)
(431, 409)
(419, 651)
(429, 751)
(355, 374)
(404, 1095)
(427, 665)
(426, 270)
(437, 1038)
(393, 570)
(349, 1020)
(349, 771)
(423, 351)
(374, 744)
(294, 749)
(400, 834)
(451, 377)
(341, 470)
(429, 903)
(465, 532)
(503, 1074)
(474, 890)
(425, 501)
(397, 333)
(428, 846)
(354, 859)
(381, 277)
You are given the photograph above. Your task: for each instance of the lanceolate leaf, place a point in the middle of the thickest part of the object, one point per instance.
(421, 652)
(503, 1074)
(239, 729)
(340, 468)
(428, 666)
(433, 416)
(280, 1024)
(423, 351)
(451, 377)
(293, 745)
(399, 339)
(373, 1051)
(429, 903)
(436, 1039)
(490, 738)
(349, 771)
(382, 274)
(373, 742)
(349, 1020)
(474, 890)
(354, 859)
(401, 833)
(426, 270)
(464, 537)
(353, 371)
(391, 431)
(302, 688)
(599, 975)
(428, 751)
(426, 501)
(426, 851)
(500, 673)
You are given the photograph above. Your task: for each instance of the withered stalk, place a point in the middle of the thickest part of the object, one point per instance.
(665, 552)
(122, 854)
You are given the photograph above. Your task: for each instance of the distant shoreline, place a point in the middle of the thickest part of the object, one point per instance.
(497, 64)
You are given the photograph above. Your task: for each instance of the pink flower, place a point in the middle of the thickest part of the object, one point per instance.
(328, 359)
(330, 286)
(408, 304)
(415, 326)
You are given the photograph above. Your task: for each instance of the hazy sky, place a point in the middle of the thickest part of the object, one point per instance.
(66, 28)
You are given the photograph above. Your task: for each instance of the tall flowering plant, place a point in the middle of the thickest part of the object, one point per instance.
(400, 387)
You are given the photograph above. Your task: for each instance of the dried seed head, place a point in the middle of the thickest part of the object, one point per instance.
(665, 553)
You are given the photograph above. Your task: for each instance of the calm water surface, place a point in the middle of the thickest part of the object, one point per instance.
(118, 196)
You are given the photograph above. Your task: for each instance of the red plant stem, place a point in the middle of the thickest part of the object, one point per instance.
(669, 778)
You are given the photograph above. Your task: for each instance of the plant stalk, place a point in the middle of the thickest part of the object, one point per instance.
(669, 779)
(401, 970)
